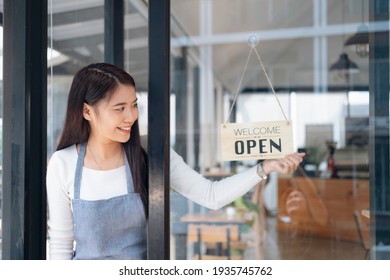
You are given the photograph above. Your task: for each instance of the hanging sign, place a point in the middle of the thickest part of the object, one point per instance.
(260, 140)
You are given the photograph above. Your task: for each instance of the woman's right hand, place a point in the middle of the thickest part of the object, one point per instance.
(286, 165)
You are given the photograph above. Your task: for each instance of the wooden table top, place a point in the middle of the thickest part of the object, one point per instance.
(216, 216)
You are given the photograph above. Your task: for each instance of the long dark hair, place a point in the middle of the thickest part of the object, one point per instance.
(90, 85)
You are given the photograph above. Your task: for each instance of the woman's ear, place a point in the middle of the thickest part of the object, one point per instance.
(87, 112)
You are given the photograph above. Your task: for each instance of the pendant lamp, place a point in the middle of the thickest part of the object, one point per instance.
(344, 66)
(360, 38)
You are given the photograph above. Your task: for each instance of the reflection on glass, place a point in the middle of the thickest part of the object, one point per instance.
(310, 214)
(75, 39)
(302, 206)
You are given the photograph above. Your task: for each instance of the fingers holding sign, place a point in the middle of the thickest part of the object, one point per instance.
(286, 165)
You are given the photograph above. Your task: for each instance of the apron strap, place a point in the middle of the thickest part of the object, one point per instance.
(79, 170)
(129, 178)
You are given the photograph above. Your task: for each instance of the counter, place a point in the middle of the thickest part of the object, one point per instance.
(323, 207)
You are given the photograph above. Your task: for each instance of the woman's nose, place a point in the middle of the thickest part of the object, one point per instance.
(131, 116)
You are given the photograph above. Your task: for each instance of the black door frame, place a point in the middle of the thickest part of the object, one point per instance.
(379, 154)
(24, 129)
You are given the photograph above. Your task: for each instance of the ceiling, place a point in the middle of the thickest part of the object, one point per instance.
(299, 39)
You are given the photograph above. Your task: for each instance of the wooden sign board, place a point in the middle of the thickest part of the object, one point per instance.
(260, 140)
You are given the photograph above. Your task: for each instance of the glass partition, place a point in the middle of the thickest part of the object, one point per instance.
(136, 55)
(319, 212)
(76, 38)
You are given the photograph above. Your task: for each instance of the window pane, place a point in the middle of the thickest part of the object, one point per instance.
(137, 55)
(76, 39)
(315, 213)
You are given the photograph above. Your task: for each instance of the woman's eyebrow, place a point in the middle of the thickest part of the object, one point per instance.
(119, 104)
(124, 103)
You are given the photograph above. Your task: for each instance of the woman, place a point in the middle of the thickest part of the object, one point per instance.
(97, 181)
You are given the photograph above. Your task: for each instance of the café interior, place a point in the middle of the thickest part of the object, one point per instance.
(252, 61)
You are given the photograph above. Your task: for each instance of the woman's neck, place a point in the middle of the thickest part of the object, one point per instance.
(103, 156)
(105, 151)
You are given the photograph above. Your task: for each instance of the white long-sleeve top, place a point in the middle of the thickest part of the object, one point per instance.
(96, 185)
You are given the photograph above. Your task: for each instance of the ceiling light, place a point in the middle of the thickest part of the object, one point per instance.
(344, 65)
(360, 40)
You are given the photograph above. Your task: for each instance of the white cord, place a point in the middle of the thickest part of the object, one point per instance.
(268, 80)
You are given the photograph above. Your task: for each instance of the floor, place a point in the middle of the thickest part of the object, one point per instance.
(279, 245)
(283, 246)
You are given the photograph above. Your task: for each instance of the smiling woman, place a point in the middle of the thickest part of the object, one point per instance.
(97, 180)
(101, 115)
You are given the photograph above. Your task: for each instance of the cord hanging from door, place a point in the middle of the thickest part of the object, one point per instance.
(253, 42)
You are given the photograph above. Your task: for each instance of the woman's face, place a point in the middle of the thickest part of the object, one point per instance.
(111, 119)
(295, 202)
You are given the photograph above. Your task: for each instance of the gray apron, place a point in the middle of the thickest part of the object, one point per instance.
(113, 228)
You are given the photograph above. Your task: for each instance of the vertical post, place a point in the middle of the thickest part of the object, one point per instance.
(233, 119)
(196, 83)
(316, 46)
(379, 132)
(180, 89)
(114, 30)
(206, 94)
(158, 128)
(24, 149)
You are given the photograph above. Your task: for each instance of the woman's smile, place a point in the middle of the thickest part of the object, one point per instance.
(125, 129)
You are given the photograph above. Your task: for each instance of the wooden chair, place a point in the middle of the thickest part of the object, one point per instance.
(363, 229)
(224, 237)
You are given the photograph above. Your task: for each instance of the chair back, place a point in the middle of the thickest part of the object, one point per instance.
(363, 229)
(218, 234)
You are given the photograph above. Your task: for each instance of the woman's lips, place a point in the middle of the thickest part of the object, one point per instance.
(125, 129)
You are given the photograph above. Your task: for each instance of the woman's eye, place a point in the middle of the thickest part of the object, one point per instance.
(120, 109)
(135, 105)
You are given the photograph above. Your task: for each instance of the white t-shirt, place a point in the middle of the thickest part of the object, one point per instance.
(97, 184)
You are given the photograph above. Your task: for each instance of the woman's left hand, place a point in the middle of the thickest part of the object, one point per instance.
(286, 165)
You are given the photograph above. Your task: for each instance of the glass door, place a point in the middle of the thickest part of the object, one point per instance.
(322, 82)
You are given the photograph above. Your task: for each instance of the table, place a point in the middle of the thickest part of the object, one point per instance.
(216, 217)
(219, 217)
(328, 208)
